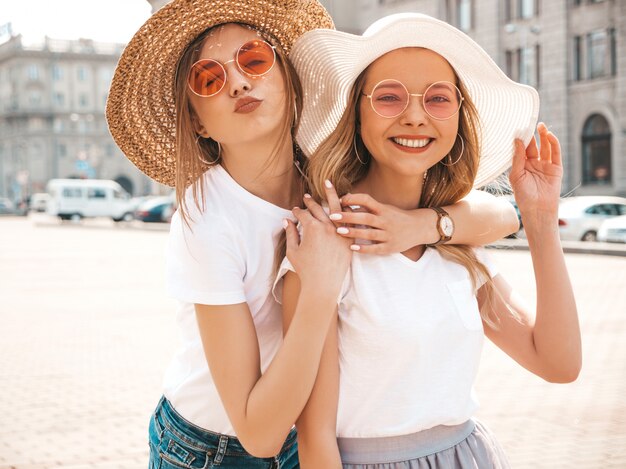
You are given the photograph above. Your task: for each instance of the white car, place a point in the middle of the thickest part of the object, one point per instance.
(613, 230)
(39, 201)
(580, 217)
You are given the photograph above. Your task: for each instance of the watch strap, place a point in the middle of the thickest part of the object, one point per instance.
(443, 238)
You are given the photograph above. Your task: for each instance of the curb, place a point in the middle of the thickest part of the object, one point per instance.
(569, 247)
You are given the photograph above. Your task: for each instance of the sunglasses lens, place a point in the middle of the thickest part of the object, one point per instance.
(207, 77)
(389, 98)
(442, 100)
(256, 58)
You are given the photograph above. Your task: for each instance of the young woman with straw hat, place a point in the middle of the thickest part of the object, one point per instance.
(414, 113)
(205, 100)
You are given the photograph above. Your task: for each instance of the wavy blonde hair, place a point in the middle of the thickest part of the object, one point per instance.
(335, 159)
(191, 150)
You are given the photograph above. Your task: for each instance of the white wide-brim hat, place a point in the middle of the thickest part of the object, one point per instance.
(329, 63)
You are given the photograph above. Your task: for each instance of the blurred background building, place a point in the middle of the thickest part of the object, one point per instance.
(52, 101)
(52, 96)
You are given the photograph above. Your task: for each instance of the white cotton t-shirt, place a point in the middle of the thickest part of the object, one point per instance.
(226, 257)
(410, 340)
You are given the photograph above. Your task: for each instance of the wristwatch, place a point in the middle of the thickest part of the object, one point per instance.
(444, 224)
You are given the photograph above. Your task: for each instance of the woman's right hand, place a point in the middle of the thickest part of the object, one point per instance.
(319, 255)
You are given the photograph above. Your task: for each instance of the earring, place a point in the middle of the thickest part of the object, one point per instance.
(356, 151)
(450, 163)
(219, 152)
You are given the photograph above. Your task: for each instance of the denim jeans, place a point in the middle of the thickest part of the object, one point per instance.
(176, 443)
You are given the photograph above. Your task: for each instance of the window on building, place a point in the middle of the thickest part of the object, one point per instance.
(512, 63)
(528, 70)
(596, 157)
(34, 99)
(597, 53)
(33, 72)
(62, 150)
(83, 100)
(508, 11)
(578, 58)
(57, 72)
(613, 51)
(82, 74)
(59, 99)
(527, 8)
(464, 15)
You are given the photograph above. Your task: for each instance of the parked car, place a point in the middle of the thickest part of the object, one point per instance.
(155, 210)
(82, 198)
(580, 217)
(613, 230)
(39, 201)
(6, 206)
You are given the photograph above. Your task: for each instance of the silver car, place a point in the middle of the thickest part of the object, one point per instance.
(580, 217)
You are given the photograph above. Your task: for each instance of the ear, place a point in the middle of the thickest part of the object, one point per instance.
(198, 127)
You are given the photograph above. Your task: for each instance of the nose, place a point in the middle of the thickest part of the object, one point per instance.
(414, 114)
(238, 82)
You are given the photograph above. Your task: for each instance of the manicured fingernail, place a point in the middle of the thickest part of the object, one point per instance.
(355, 247)
(307, 196)
(295, 208)
(335, 216)
(343, 230)
(285, 223)
(328, 184)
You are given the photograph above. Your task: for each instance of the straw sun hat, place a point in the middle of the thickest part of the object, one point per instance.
(329, 63)
(140, 108)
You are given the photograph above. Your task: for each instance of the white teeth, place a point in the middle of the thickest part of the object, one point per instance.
(412, 143)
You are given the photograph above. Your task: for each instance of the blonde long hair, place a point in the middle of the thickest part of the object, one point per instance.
(192, 150)
(336, 159)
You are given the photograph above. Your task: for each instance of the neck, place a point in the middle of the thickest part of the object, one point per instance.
(265, 171)
(389, 187)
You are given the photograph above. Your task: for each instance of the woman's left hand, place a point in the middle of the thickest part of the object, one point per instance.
(375, 228)
(536, 175)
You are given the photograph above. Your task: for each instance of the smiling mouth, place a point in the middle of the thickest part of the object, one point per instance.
(412, 142)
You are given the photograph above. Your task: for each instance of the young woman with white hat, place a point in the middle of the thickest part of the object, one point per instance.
(414, 113)
(205, 100)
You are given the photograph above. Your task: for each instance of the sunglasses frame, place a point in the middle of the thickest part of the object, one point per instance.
(414, 94)
(223, 67)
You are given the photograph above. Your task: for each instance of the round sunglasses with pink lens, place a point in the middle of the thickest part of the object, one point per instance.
(390, 98)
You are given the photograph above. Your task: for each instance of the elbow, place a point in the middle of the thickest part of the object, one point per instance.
(261, 446)
(564, 375)
(511, 220)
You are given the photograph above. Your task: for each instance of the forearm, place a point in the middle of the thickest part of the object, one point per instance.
(556, 333)
(317, 441)
(278, 397)
(479, 219)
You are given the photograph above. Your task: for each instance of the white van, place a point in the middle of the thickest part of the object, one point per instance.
(73, 199)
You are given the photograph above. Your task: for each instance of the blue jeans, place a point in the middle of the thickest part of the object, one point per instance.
(176, 443)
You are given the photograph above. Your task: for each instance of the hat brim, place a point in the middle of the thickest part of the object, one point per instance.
(140, 107)
(329, 62)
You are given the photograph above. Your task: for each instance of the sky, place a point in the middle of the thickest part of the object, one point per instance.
(100, 20)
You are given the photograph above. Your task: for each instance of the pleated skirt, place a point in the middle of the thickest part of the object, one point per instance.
(467, 446)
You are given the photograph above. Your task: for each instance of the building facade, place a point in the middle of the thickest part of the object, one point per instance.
(52, 124)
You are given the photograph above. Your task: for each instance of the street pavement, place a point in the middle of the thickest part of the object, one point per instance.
(86, 331)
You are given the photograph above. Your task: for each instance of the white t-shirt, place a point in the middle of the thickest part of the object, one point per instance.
(227, 257)
(410, 339)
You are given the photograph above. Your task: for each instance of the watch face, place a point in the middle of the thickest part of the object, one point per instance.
(447, 226)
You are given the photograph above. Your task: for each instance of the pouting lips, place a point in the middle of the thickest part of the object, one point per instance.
(413, 142)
